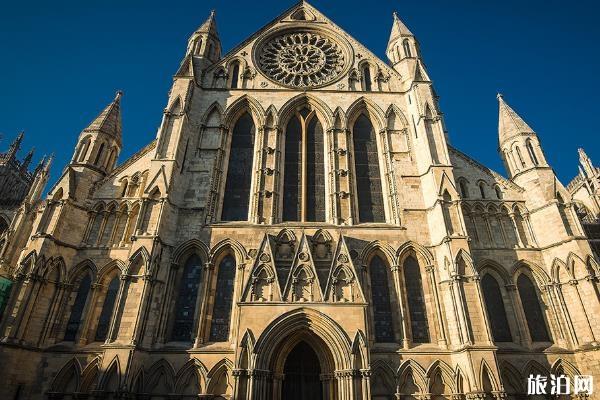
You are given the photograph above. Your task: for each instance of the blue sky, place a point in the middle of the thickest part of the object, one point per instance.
(62, 61)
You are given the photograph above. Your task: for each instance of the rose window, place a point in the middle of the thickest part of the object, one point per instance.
(301, 59)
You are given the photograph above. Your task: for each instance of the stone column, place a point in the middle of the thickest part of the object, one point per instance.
(430, 269)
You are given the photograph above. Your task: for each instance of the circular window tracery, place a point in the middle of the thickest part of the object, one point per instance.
(302, 59)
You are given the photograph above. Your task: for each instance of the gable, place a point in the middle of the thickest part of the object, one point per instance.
(300, 49)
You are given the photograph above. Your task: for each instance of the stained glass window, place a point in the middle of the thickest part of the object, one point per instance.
(292, 171)
(239, 172)
(381, 303)
(219, 330)
(416, 301)
(533, 310)
(494, 306)
(368, 177)
(77, 309)
(107, 310)
(187, 295)
(315, 177)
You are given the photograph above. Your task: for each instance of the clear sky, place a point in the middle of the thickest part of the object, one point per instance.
(62, 61)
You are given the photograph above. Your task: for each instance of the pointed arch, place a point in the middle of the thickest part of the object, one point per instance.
(533, 367)
(67, 379)
(512, 379)
(376, 246)
(228, 245)
(243, 104)
(110, 380)
(182, 252)
(362, 105)
(90, 375)
(485, 374)
(191, 378)
(564, 367)
(220, 378)
(213, 115)
(85, 266)
(411, 368)
(160, 378)
(398, 117)
(311, 102)
(139, 262)
(360, 352)
(440, 370)
(423, 254)
(383, 380)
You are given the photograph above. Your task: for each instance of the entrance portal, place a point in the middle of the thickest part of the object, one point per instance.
(301, 374)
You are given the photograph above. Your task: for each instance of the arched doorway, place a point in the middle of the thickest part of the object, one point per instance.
(301, 374)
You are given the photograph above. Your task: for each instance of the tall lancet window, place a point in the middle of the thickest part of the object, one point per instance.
(533, 309)
(187, 296)
(239, 171)
(75, 318)
(107, 310)
(416, 301)
(494, 305)
(406, 46)
(368, 177)
(381, 301)
(304, 169)
(221, 316)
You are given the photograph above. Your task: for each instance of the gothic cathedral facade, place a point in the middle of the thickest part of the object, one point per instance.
(300, 228)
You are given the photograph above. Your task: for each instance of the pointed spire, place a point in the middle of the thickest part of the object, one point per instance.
(586, 163)
(109, 120)
(509, 122)
(16, 145)
(210, 25)
(49, 163)
(27, 159)
(398, 29)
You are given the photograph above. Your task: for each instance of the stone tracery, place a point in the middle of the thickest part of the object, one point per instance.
(302, 59)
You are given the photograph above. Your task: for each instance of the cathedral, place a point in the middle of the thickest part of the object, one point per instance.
(300, 229)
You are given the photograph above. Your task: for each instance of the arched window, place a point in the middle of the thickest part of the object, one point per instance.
(520, 156)
(367, 78)
(292, 201)
(495, 309)
(482, 190)
(239, 171)
(368, 177)
(235, 75)
(99, 155)
(431, 137)
(107, 310)
(406, 47)
(219, 329)
(533, 310)
(380, 301)
(315, 174)
(83, 150)
(77, 309)
(498, 192)
(464, 192)
(187, 295)
(416, 301)
(304, 141)
(447, 211)
(531, 152)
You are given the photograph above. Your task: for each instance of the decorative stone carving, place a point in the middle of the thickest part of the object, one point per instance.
(300, 59)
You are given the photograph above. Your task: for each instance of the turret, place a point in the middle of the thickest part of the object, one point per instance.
(403, 51)
(518, 143)
(204, 42)
(100, 143)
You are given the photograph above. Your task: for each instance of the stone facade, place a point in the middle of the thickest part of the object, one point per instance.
(301, 199)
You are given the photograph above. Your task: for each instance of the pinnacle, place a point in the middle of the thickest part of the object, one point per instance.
(210, 25)
(399, 29)
(509, 122)
(109, 120)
